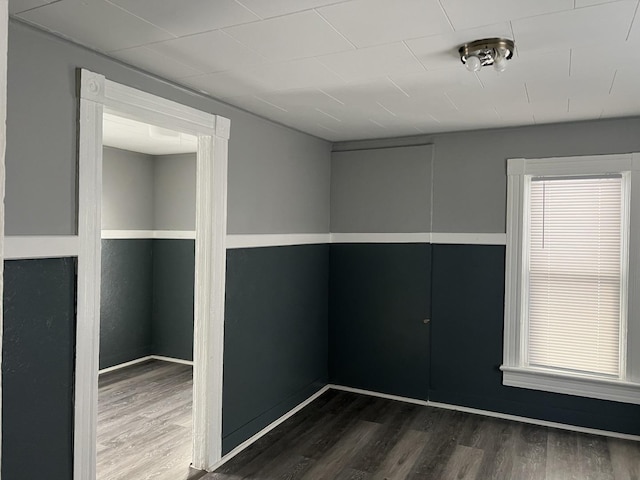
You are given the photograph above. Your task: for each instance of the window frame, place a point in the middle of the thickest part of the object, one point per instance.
(515, 371)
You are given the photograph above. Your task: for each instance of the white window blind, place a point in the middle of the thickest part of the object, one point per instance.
(575, 233)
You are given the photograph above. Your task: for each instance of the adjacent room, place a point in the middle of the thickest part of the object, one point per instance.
(426, 235)
(146, 303)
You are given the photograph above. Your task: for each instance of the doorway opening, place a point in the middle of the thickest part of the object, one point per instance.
(145, 384)
(102, 101)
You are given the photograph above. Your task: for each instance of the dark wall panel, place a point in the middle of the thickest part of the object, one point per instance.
(125, 303)
(467, 328)
(37, 369)
(379, 296)
(275, 352)
(173, 284)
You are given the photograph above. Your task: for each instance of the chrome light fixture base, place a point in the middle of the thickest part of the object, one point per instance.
(489, 51)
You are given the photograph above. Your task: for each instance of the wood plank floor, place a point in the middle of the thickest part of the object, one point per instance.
(144, 423)
(346, 436)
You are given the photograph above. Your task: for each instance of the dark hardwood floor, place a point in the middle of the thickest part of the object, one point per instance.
(144, 423)
(346, 436)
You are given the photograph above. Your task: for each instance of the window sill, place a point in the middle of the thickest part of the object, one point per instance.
(580, 385)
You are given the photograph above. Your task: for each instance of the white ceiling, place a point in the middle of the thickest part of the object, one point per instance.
(356, 69)
(127, 134)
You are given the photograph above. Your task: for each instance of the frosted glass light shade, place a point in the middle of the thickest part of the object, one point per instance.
(473, 63)
(500, 64)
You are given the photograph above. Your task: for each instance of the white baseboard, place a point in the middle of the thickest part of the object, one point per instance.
(424, 403)
(534, 421)
(172, 359)
(144, 359)
(267, 429)
(125, 364)
(488, 413)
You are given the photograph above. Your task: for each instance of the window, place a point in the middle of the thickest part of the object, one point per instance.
(569, 310)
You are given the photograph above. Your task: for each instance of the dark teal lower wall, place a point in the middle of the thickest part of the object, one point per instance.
(379, 296)
(275, 351)
(275, 348)
(173, 285)
(280, 340)
(125, 301)
(37, 369)
(466, 352)
(146, 305)
(376, 293)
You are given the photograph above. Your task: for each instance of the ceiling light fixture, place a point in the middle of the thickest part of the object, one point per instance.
(489, 51)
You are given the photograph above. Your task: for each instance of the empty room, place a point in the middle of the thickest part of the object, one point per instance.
(320, 239)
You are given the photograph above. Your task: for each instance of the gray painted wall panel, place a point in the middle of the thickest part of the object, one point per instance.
(278, 178)
(384, 190)
(277, 183)
(469, 174)
(174, 192)
(127, 190)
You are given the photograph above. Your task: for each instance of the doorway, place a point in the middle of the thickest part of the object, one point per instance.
(145, 388)
(98, 96)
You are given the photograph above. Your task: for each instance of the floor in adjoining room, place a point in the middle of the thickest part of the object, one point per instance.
(144, 422)
(346, 436)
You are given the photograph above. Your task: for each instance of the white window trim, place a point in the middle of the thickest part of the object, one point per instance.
(515, 372)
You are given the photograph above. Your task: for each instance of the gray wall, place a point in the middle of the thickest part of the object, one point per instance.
(174, 179)
(470, 168)
(127, 190)
(277, 183)
(278, 178)
(385, 190)
(148, 192)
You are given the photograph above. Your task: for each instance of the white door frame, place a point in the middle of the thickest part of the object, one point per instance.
(4, 27)
(98, 95)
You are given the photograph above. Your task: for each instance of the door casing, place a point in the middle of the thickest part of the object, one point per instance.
(99, 95)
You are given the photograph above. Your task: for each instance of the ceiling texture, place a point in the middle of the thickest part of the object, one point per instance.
(357, 69)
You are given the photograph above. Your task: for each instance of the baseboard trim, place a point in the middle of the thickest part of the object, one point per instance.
(144, 359)
(267, 429)
(489, 413)
(172, 359)
(415, 401)
(124, 365)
